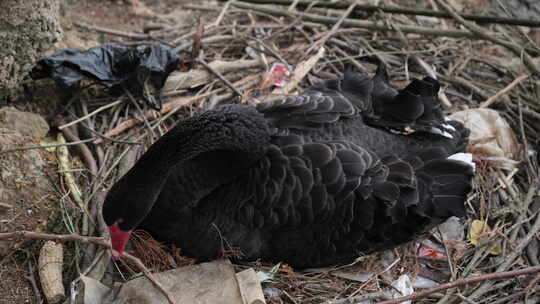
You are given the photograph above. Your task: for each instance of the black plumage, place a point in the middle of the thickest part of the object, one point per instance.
(347, 167)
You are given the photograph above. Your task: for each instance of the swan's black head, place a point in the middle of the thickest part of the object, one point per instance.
(239, 132)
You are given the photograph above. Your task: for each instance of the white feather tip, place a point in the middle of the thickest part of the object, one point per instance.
(464, 157)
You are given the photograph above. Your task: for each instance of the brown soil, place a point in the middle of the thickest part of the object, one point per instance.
(27, 188)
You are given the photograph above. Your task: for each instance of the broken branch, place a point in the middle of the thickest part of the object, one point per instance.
(218, 75)
(394, 9)
(486, 35)
(356, 23)
(481, 278)
(194, 78)
(505, 90)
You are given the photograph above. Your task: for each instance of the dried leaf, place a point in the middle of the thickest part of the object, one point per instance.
(479, 232)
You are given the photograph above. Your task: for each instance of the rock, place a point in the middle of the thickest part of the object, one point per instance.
(24, 123)
(27, 29)
(24, 184)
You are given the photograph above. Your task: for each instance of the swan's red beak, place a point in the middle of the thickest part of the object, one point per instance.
(119, 240)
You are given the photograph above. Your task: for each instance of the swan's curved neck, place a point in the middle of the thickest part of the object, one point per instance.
(237, 133)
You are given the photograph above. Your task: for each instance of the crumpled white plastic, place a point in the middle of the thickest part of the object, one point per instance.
(491, 138)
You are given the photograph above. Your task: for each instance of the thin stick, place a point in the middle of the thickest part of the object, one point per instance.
(198, 77)
(218, 74)
(196, 45)
(509, 87)
(112, 104)
(31, 235)
(103, 137)
(64, 165)
(211, 39)
(170, 106)
(84, 150)
(486, 35)
(47, 146)
(387, 8)
(461, 282)
(333, 31)
(222, 13)
(141, 112)
(31, 277)
(113, 32)
(150, 277)
(358, 299)
(356, 23)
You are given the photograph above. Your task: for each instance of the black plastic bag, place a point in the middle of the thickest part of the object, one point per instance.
(141, 69)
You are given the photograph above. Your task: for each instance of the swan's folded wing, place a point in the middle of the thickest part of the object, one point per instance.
(307, 111)
(337, 199)
(415, 108)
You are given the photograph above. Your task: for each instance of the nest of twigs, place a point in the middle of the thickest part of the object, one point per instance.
(231, 50)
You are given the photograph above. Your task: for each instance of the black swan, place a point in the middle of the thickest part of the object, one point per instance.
(350, 166)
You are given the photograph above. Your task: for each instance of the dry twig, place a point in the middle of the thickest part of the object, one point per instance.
(485, 34)
(461, 282)
(46, 146)
(509, 87)
(109, 31)
(388, 8)
(168, 107)
(86, 154)
(356, 23)
(333, 31)
(218, 75)
(195, 78)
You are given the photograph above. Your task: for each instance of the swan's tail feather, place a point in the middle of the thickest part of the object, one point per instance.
(421, 191)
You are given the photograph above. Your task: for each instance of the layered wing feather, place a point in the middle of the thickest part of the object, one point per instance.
(415, 108)
(307, 111)
(324, 202)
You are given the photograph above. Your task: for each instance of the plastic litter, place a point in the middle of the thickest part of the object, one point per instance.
(402, 287)
(421, 282)
(278, 75)
(141, 69)
(491, 139)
